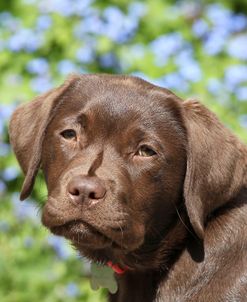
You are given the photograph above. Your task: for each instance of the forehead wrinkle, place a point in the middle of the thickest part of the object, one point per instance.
(110, 115)
(96, 163)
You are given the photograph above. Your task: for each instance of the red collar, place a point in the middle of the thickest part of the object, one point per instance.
(117, 269)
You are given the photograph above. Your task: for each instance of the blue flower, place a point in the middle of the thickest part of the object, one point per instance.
(200, 28)
(218, 14)
(10, 173)
(43, 22)
(117, 26)
(15, 43)
(61, 247)
(238, 22)
(41, 84)
(8, 21)
(6, 111)
(92, 24)
(82, 8)
(241, 93)
(72, 290)
(113, 15)
(5, 17)
(214, 86)
(184, 55)
(128, 29)
(191, 71)
(26, 210)
(215, 42)
(25, 39)
(165, 46)
(38, 66)
(4, 148)
(235, 75)
(137, 51)
(175, 81)
(66, 67)
(108, 60)
(85, 54)
(65, 8)
(237, 47)
(137, 9)
(62, 7)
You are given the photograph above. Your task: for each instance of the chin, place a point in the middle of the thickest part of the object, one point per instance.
(97, 245)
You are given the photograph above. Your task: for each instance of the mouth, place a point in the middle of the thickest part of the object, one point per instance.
(117, 235)
(83, 234)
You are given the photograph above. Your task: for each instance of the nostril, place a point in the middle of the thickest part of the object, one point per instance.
(98, 191)
(73, 189)
(92, 195)
(75, 192)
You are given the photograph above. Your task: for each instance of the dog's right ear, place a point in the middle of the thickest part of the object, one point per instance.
(27, 129)
(216, 164)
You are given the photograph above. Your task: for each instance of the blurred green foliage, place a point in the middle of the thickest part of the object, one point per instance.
(195, 48)
(36, 266)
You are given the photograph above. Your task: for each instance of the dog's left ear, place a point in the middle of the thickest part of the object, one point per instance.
(215, 164)
(27, 129)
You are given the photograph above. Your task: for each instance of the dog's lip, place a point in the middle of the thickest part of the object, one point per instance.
(66, 230)
(69, 224)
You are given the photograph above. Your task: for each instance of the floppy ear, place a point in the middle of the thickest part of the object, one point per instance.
(27, 129)
(215, 164)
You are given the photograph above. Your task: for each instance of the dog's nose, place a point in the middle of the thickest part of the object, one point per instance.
(82, 188)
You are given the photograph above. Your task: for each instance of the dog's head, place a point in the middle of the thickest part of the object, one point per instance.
(120, 157)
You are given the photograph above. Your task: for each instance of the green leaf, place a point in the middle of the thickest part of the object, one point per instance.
(103, 276)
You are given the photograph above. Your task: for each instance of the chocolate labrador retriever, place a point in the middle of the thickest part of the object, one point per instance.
(140, 180)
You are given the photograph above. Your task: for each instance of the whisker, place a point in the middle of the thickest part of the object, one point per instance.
(183, 222)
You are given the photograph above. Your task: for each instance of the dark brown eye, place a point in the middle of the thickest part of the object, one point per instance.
(68, 134)
(145, 151)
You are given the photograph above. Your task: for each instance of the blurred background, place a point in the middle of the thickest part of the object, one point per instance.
(195, 48)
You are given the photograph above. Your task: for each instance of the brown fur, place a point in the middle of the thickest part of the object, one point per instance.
(176, 219)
